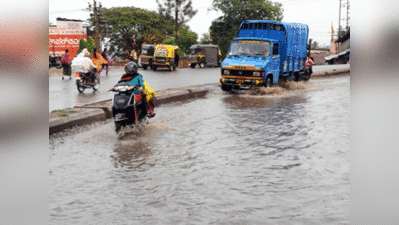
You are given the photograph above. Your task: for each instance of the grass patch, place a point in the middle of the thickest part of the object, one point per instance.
(62, 113)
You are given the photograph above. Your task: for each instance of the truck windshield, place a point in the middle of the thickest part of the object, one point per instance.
(249, 48)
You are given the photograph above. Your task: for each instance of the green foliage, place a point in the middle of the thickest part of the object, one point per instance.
(129, 28)
(169, 41)
(205, 39)
(186, 39)
(89, 44)
(315, 45)
(225, 28)
(185, 10)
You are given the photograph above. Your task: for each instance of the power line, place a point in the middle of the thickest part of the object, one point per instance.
(66, 11)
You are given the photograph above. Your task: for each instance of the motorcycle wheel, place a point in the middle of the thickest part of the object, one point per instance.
(97, 83)
(80, 87)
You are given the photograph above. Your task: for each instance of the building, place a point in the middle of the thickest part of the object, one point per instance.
(66, 35)
(342, 54)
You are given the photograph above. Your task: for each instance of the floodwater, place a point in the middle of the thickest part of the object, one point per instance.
(229, 158)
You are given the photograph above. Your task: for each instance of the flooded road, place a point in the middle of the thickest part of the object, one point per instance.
(223, 159)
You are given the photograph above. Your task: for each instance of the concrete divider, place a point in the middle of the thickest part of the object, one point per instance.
(100, 113)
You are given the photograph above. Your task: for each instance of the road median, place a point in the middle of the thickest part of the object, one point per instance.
(102, 110)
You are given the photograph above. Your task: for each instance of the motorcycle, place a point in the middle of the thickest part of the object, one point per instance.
(84, 81)
(55, 61)
(128, 107)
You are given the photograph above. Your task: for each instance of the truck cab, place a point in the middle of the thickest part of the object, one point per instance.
(264, 53)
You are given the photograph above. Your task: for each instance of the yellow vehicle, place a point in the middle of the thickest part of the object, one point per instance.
(147, 53)
(166, 56)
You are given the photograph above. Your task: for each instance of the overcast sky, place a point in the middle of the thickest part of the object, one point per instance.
(317, 14)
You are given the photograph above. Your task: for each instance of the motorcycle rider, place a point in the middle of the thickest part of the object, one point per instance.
(83, 64)
(133, 77)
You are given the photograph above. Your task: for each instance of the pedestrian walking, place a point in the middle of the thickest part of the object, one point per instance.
(105, 65)
(66, 64)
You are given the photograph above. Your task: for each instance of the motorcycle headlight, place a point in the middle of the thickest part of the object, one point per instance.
(226, 72)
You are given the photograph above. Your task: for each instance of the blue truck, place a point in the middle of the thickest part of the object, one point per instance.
(264, 53)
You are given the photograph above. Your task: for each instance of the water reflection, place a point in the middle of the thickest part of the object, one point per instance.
(268, 126)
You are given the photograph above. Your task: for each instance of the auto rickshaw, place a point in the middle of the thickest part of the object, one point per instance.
(147, 53)
(166, 56)
(204, 55)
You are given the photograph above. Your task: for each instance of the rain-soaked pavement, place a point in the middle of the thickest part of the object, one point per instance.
(223, 159)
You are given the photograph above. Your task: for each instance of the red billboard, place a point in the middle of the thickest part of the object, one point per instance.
(65, 38)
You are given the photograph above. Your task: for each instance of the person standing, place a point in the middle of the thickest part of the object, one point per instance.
(105, 65)
(66, 64)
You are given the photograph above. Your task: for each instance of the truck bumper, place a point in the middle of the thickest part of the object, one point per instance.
(241, 82)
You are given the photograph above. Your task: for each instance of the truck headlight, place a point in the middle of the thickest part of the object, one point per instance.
(226, 72)
(257, 74)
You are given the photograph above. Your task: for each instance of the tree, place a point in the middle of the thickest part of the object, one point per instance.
(315, 45)
(181, 10)
(186, 40)
(225, 28)
(130, 27)
(205, 39)
(89, 44)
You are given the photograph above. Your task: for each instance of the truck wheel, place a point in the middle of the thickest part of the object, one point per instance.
(154, 68)
(144, 67)
(193, 65)
(226, 87)
(268, 82)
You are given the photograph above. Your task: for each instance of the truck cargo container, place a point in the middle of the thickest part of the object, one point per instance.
(264, 53)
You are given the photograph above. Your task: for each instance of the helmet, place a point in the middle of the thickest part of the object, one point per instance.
(131, 68)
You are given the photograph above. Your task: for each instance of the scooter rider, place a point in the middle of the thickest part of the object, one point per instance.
(83, 64)
(133, 77)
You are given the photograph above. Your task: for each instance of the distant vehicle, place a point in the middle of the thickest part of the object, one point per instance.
(204, 55)
(55, 61)
(264, 53)
(147, 53)
(166, 56)
(83, 81)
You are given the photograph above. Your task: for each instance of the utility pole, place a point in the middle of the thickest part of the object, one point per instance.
(339, 20)
(347, 17)
(96, 25)
(347, 14)
(176, 20)
(97, 39)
